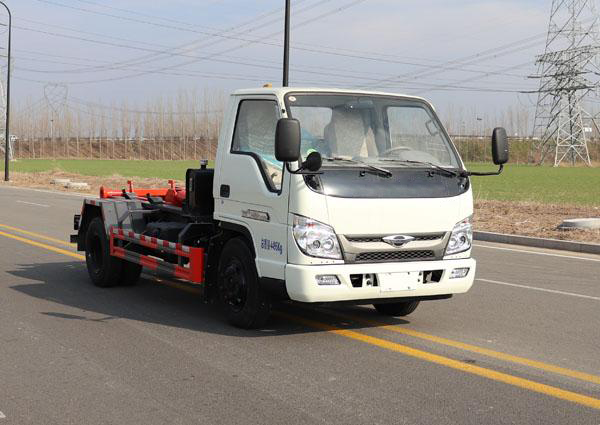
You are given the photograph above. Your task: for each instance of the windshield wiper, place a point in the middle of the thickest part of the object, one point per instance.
(380, 170)
(448, 171)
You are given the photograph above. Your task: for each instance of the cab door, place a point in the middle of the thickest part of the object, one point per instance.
(253, 189)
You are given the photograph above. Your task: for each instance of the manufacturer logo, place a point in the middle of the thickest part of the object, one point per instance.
(398, 240)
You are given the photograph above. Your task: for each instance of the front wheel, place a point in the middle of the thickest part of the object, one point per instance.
(397, 309)
(248, 306)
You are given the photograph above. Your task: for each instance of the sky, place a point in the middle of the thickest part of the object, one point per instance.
(468, 55)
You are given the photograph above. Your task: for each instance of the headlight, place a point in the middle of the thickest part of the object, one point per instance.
(316, 239)
(461, 237)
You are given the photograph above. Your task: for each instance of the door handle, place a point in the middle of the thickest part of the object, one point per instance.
(225, 190)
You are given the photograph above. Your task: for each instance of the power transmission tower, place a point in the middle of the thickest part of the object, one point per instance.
(56, 98)
(569, 74)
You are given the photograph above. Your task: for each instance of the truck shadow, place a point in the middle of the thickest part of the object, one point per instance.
(67, 284)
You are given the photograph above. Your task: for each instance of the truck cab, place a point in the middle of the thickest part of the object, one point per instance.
(325, 196)
(351, 232)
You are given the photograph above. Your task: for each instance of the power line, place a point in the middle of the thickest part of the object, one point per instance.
(434, 87)
(515, 45)
(196, 73)
(480, 56)
(196, 58)
(210, 32)
(134, 12)
(172, 51)
(444, 67)
(424, 65)
(378, 54)
(262, 38)
(240, 60)
(302, 69)
(441, 67)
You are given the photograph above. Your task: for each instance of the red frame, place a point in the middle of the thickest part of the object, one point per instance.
(193, 273)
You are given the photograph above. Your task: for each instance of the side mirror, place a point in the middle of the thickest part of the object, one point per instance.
(313, 162)
(499, 146)
(287, 140)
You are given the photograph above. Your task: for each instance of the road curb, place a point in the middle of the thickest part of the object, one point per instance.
(588, 248)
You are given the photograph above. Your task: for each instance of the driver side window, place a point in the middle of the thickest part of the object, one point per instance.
(254, 135)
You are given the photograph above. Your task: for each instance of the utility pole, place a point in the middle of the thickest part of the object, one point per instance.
(286, 45)
(569, 73)
(7, 126)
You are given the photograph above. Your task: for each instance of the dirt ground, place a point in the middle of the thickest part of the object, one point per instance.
(534, 219)
(43, 181)
(517, 218)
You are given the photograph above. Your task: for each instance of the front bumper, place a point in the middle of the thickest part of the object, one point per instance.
(301, 283)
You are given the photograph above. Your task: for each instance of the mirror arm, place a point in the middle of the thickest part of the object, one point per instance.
(495, 173)
(300, 171)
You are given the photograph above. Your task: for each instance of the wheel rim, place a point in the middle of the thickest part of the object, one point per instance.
(235, 286)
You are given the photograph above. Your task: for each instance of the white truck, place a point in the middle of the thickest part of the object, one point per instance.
(316, 196)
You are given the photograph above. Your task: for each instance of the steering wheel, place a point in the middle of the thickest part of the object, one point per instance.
(387, 152)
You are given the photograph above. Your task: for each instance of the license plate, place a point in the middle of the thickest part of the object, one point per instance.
(404, 281)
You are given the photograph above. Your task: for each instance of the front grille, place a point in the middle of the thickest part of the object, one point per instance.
(366, 239)
(390, 256)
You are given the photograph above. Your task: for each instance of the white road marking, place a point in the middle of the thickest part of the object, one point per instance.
(2, 416)
(33, 203)
(535, 288)
(54, 192)
(538, 253)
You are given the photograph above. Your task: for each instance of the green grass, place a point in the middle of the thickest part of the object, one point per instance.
(126, 168)
(564, 185)
(548, 185)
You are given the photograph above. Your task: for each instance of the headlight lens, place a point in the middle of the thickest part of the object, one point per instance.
(316, 239)
(461, 237)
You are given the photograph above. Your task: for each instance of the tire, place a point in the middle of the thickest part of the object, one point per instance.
(104, 270)
(130, 274)
(397, 309)
(247, 305)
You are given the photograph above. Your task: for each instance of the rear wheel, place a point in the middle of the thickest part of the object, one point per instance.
(397, 309)
(104, 270)
(248, 306)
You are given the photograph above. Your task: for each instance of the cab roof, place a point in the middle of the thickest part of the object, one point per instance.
(282, 91)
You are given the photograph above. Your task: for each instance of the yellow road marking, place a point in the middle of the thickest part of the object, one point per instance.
(392, 346)
(36, 235)
(473, 348)
(43, 245)
(451, 363)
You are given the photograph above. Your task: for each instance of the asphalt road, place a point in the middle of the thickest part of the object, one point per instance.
(523, 346)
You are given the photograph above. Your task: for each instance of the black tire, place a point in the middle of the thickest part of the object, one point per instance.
(130, 274)
(247, 305)
(104, 270)
(397, 309)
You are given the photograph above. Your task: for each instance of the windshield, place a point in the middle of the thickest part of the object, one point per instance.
(371, 129)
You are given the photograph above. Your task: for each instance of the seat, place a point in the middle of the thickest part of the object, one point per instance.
(347, 134)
